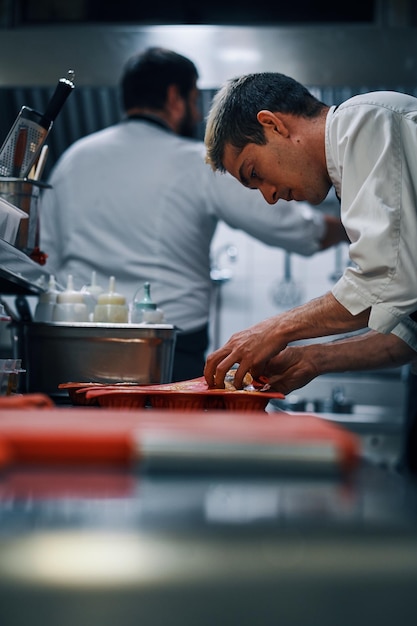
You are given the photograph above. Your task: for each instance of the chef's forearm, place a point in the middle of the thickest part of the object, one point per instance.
(371, 350)
(320, 317)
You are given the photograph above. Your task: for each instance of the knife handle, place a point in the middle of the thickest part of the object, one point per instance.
(59, 97)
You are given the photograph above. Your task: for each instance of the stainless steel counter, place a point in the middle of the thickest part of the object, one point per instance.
(106, 547)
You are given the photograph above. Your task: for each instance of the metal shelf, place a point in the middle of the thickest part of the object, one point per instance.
(19, 274)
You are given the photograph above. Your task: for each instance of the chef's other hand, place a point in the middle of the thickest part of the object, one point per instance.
(249, 349)
(291, 369)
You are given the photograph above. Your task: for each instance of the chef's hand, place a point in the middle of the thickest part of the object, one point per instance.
(251, 349)
(296, 366)
(291, 369)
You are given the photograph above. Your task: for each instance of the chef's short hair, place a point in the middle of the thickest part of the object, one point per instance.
(233, 115)
(148, 74)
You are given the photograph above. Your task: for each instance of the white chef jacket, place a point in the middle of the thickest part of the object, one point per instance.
(138, 202)
(371, 152)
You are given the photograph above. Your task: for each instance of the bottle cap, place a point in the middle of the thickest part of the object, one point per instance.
(111, 297)
(146, 303)
(69, 294)
(51, 294)
(94, 288)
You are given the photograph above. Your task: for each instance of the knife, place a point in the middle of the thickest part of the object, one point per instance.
(59, 97)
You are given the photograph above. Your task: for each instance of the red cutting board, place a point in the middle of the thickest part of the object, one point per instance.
(126, 438)
(187, 395)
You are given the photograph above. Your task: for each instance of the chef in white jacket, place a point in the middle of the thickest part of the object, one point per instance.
(138, 201)
(287, 144)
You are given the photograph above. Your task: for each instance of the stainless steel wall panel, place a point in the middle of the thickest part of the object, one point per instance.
(336, 61)
(314, 54)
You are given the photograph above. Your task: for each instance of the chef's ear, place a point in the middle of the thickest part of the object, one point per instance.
(175, 108)
(272, 122)
(174, 98)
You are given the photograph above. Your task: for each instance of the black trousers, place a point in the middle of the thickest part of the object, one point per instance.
(190, 354)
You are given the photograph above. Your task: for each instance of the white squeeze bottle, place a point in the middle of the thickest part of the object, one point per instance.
(70, 305)
(91, 293)
(144, 310)
(45, 308)
(111, 307)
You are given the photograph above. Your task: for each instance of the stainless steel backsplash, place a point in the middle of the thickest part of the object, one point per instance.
(336, 61)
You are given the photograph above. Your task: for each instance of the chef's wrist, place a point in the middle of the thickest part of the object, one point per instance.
(330, 357)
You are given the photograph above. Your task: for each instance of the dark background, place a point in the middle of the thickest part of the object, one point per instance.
(236, 12)
(92, 108)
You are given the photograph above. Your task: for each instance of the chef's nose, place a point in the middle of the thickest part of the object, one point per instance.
(269, 192)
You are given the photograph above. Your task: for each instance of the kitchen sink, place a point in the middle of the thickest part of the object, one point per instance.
(379, 428)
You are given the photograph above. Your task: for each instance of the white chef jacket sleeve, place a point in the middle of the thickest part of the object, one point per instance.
(294, 226)
(377, 153)
(407, 331)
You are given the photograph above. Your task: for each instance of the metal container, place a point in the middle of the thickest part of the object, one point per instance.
(54, 353)
(24, 194)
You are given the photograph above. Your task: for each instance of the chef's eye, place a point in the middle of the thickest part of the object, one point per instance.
(253, 173)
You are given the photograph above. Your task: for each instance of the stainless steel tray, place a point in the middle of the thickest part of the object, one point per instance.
(55, 353)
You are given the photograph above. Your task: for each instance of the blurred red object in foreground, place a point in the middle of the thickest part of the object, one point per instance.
(38, 256)
(26, 401)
